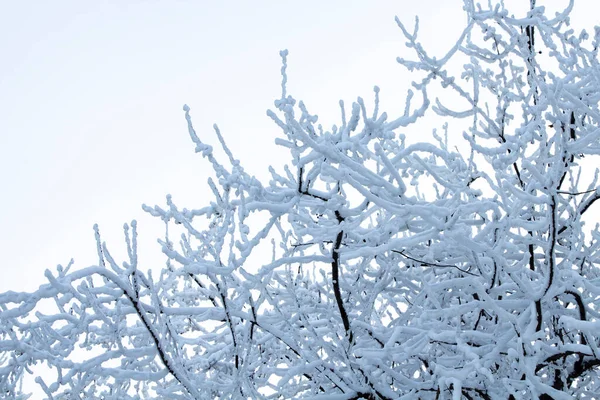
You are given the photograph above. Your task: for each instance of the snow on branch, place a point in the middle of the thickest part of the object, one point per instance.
(376, 264)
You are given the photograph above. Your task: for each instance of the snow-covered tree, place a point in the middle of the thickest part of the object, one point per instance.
(373, 265)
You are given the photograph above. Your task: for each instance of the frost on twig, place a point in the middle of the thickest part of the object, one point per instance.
(375, 264)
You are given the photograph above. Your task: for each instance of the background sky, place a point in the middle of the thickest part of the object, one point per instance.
(91, 96)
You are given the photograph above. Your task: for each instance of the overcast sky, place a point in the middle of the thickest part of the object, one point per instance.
(91, 121)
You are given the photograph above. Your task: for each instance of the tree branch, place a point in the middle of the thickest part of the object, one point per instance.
(335, 277)
(429, 264)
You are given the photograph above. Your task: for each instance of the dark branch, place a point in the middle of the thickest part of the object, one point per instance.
(428, 264)
(335, 277)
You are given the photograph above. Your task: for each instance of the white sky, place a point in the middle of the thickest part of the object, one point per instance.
(91, 121)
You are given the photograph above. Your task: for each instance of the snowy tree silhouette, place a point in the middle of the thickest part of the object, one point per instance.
(373, 265)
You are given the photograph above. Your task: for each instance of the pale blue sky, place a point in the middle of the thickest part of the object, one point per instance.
(91, 124)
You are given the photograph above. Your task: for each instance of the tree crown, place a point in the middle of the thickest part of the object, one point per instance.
(394, 269)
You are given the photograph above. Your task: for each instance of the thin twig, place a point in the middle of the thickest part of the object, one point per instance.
(425, 263)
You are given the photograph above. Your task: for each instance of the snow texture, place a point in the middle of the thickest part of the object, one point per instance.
(371, 266)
